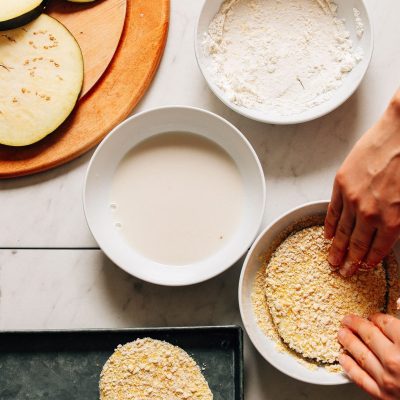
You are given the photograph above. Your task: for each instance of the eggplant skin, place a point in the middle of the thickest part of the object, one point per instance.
(17, 133)
(23, 19)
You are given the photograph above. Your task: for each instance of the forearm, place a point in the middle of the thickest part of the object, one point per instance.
(383, 139)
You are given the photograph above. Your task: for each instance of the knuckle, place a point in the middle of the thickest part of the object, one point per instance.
(388, 323)
(362, 360)
(340, 179)
(333, 211)
(353, 199)
(368, 339)
(358, 245)
(393, 364)
(390, 384)
(329, 224)
(392, 227)
(385, 320)
(344, 229)
(360, 381)
(369, 215)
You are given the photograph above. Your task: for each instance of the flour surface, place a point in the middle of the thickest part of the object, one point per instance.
(281, 56)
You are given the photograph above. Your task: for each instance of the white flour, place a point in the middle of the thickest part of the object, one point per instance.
(282, 56)
(359, 22)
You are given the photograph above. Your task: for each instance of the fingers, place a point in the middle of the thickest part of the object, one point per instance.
(381, 246)
(343, 233)
(360, 240)
(371, 335)
(334, 211)
(389, 325)
(359, 377)
(360, 243)
(360, 352)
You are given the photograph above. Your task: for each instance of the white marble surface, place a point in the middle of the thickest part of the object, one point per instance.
(63, 289)
(80, 288)
(299, 161)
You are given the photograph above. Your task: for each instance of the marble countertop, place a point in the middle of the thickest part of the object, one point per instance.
(52, 274)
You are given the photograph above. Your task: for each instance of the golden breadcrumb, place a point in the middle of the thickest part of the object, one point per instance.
(299, 302)
(150, 369)
(308, 300)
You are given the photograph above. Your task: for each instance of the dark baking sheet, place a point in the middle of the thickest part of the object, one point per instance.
(65, 365)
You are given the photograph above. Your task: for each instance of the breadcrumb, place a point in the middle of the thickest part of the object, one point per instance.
(150, 369)
(299, 302)
(308, 300)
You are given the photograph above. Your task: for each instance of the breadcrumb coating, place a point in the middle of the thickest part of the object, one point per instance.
(149, 369)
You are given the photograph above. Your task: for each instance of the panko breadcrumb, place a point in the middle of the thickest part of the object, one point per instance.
(308, 300)
(260, 304)
(150, 369)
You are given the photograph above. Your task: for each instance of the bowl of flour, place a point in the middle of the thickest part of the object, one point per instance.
(283, 61)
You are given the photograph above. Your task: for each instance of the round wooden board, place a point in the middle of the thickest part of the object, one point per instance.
(97, 28)
(111, 100)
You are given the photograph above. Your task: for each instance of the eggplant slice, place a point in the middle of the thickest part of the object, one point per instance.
(41, 76)
(16, 13)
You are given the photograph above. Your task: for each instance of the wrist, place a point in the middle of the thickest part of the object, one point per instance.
(384, 136)
(393, 109)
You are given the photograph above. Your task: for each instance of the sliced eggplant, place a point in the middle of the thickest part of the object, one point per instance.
(41, 76)
(16, 13)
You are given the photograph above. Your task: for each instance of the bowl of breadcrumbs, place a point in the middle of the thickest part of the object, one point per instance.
(292, 302)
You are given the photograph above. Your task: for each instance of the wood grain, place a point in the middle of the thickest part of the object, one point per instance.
(111, 100)
(97, 28)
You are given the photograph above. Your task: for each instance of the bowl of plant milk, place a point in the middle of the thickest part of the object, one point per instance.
(174, 195)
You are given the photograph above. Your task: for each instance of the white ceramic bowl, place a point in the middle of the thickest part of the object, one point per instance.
(267, 347)
(350, 84)
(129, 134)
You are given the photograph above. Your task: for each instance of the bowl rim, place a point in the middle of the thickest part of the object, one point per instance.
(194, 279)
(246, 318)
(284, 120)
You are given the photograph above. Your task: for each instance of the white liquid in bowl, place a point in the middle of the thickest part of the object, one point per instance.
(177, 198)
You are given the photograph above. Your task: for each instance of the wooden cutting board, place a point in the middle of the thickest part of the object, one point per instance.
(97, 27)
(109, 102)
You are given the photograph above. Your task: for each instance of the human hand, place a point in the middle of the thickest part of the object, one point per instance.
(373, 359)
(364, 213)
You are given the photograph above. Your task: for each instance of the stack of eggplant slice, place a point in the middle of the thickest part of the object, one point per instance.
(41, 72)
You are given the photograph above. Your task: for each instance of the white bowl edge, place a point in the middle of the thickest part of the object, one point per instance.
(193, 279)
(264, 345)
(275, 119)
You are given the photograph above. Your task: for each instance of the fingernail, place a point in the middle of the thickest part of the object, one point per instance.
(346, 320)
(341, 359)
(341, 334)
(370, 265)
(348, 269)
(333, 261)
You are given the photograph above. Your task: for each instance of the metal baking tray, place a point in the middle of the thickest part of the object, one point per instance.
(65, 365)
